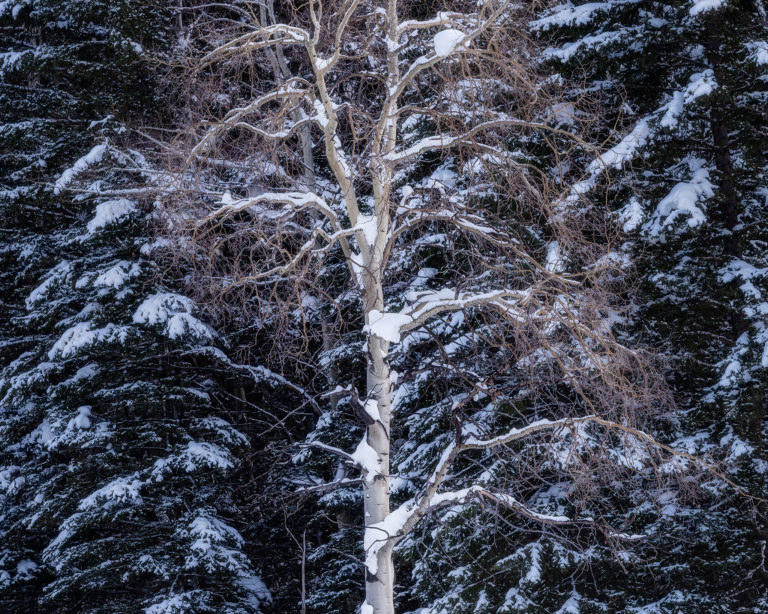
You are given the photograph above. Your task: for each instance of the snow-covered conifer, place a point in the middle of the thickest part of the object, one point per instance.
(690, 78)
(112, 442)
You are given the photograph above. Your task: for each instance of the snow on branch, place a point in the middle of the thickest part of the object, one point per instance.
(94, 156)
(323, 65)
(390, 326)
(468, 222)
(233, 118)
(402, 520)
(258, 38)
(443, 18)
(296, 201)
(612, 157)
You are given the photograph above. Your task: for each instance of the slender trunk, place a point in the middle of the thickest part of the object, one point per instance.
(720, 129)
(729, 203)
(304, 573)
(180, 19)
(379, 588)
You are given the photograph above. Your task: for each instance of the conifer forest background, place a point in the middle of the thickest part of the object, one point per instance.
(377, 306)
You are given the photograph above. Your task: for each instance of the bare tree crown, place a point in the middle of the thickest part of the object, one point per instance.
(412, 173)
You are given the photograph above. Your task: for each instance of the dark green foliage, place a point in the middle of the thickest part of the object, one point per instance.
(113, 443)
(694, 205)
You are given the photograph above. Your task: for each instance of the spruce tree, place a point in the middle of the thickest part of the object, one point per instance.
(113, 440)
(688, 79)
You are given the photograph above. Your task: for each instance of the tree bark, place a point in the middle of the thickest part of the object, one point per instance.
(379, 587)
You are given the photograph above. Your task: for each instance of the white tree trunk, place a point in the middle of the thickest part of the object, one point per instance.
(379, 588)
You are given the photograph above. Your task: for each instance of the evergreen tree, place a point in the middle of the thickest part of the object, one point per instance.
(112, 437)
(687, 80)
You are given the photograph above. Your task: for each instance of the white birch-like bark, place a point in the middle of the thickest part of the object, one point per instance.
(379, 586)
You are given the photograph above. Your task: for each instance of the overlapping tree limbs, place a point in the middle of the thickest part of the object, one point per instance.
(384, 172)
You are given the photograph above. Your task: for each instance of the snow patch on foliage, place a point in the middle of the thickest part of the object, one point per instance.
(214, 546)
(736, 446)
(10, 480)
(683, 201)
(83, 335)
(759, 52)
(178, 603)
(120, 490)
(631, 215)
(174, 311)
(92, 157)
(223, 430)
(75, 429)
(624, 150)
(208, 531)
(704, 6)
(52, 551)
(740, 269)
(569, 15)
(160, 243)
(515, 601)
(534, 571)
(109, 212)
(196, 455)
(700, 84)
(116, 276)
(569, 50)
(25, 569)
(11, 60)
(615, 157)
(571, 606)
(83, 418)
(57, 275)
